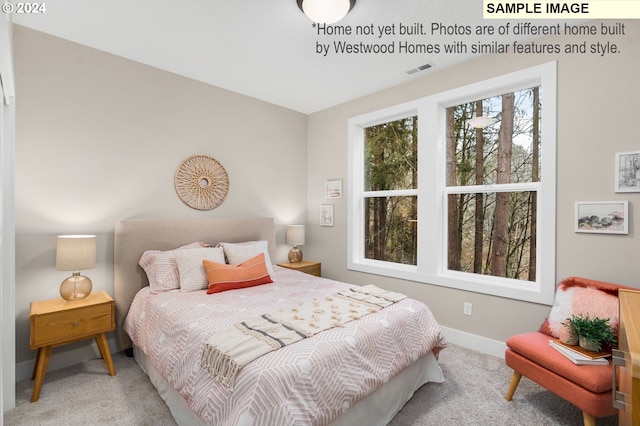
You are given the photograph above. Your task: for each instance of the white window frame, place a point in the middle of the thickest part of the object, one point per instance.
(431, 265)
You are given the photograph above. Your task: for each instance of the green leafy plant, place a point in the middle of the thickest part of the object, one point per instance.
(592, 332)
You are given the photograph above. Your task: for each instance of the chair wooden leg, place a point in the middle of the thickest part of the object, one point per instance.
(589, 419)
(515, 380)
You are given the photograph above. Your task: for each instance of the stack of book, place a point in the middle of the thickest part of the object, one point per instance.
(580, 356)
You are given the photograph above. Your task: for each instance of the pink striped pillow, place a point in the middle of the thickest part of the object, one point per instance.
(162, 269)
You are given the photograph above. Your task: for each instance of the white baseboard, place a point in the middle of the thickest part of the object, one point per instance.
(24, 370)
(475, 342)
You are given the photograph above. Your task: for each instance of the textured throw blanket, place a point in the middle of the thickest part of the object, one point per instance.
(227, 352)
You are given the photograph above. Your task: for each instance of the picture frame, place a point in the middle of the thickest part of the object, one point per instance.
(602, 217)
(627, 177)
(333, 189)
(326, 215)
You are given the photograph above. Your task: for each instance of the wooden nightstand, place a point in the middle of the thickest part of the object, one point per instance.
(58, 322)
(306, 266)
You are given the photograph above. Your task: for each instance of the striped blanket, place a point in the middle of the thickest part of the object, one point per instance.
(230, 350)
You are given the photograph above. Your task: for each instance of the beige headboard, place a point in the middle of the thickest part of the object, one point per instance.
(133, 237)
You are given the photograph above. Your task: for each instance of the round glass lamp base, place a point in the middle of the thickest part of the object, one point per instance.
(295, 255)
(76, 287)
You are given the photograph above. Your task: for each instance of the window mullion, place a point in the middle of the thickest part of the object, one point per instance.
(431, 168)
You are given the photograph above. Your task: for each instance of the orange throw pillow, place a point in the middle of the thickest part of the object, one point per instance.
(223, 277)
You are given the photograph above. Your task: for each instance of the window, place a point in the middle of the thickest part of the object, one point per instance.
(445, 203)
(491, 185)
(390, 192)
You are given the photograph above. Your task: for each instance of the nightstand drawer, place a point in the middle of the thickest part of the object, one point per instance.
(311, 269)
(306, 266)
(74, 324)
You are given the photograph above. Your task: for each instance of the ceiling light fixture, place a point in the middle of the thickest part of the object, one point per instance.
(326, 11)
(481, 122)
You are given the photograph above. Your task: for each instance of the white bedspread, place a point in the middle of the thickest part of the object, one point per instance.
(310, 382)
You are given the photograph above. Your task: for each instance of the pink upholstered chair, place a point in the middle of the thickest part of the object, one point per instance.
(586, 386)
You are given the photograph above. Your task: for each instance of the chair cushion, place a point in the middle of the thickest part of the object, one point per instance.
(597, 404)
(535, 346)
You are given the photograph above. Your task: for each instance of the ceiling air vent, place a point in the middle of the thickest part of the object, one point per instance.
(420, 68)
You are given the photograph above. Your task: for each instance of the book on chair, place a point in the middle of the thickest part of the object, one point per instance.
(578, 355)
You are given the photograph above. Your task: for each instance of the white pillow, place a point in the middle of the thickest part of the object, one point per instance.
(239, 252)
(191, 269)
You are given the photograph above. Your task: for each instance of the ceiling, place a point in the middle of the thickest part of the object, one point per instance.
(266, 49)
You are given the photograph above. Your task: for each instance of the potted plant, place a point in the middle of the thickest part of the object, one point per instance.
(592, 333)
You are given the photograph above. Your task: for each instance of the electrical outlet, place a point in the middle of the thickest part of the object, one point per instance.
(467, 308)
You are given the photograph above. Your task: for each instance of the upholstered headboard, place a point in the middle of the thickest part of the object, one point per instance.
(133, 237)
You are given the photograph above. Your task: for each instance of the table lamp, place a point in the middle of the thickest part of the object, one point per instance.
(295, 238)
(75, 253)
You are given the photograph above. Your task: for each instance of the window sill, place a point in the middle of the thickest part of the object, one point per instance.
(501, 287)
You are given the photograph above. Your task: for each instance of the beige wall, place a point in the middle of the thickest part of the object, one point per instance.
(99, 139)
(597, 116)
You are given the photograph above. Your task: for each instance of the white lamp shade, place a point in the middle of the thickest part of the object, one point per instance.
(295, 235)
(76, 252)
(326, 11)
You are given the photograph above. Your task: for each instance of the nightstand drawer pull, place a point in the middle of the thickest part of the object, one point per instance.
(75, 323)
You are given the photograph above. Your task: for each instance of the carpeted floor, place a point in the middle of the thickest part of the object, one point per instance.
(473, 394)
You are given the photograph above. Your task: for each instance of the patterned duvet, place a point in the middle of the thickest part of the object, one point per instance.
(311, 382)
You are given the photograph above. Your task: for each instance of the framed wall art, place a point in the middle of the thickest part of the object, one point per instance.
(326, 215)
(333, 189)
(602, 217)
(628, 171)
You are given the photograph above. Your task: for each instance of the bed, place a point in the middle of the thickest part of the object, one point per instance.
(361, 372)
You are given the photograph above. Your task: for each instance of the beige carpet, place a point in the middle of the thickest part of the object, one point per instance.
(473, 394)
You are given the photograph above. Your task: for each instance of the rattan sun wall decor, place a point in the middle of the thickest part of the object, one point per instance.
(202, 182)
